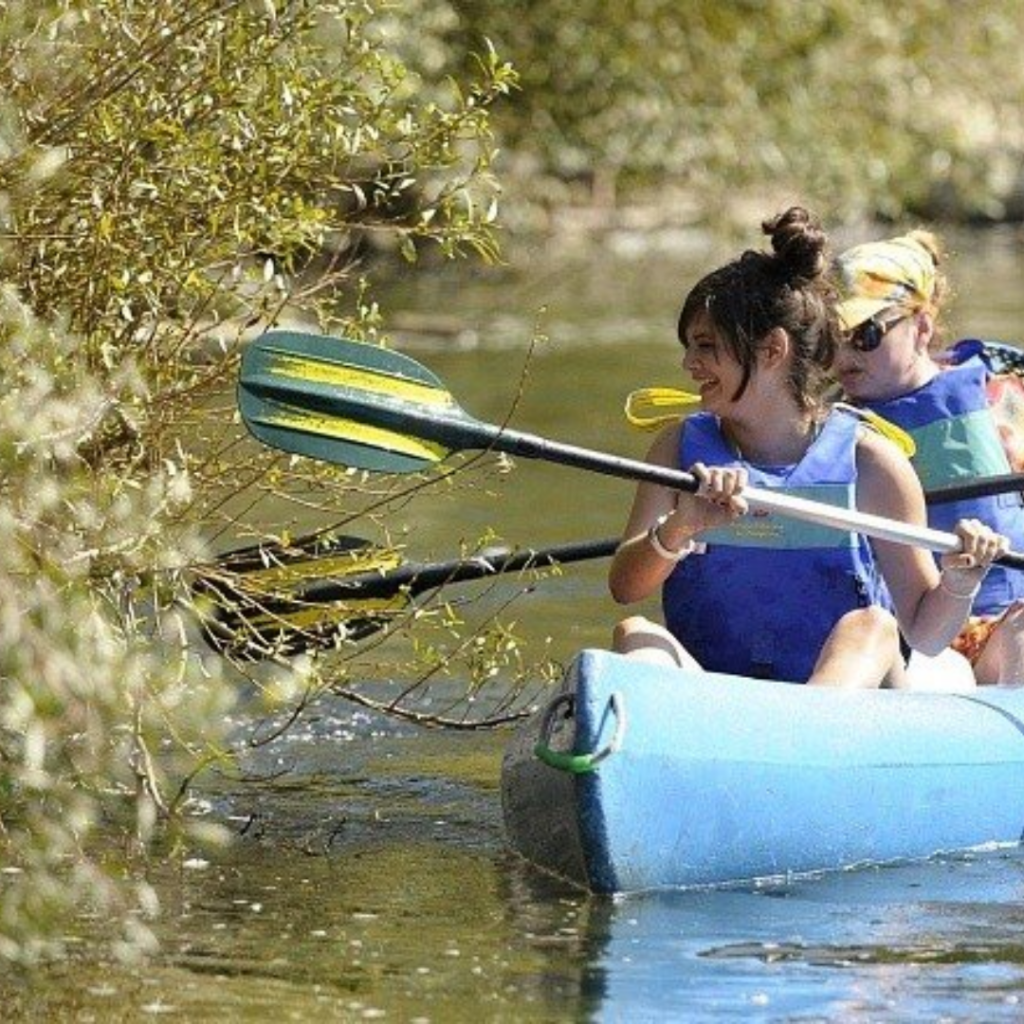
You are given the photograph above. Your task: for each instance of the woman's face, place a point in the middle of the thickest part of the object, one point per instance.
(711, 365)
(892, 369)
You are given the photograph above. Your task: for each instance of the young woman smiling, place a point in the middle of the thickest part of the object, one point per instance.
(759, 595)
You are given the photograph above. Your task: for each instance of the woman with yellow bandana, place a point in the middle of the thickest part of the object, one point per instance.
(891, 295)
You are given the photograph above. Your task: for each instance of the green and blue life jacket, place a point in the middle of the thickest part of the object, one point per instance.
(957, 439)
(761, 596)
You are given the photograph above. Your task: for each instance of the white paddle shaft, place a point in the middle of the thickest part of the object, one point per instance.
(853, 520)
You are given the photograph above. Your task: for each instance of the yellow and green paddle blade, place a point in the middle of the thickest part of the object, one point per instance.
(251, 601)
(367, 588)
(369, 408)
(281, 565)
(265, 627)
(650, 408)
(348, 403)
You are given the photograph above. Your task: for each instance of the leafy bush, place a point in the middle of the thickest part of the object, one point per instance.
(859, 107)
(173, 177)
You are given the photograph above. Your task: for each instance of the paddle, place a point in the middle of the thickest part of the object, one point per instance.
(272, 565)
(367, 407)
(320, 588)
(982, 487)
(248, 581)
(352, 605)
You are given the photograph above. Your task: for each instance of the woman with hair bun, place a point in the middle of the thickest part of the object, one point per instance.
(762, 595)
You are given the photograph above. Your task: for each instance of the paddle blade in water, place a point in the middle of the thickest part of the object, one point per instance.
(281, 627)
(273, 566)
(252, 601)
(345, 402)
(257, 606)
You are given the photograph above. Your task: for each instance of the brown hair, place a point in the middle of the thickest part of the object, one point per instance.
(788, 288)
(940, 290)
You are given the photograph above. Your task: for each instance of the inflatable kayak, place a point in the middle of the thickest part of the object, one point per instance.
(637, 777)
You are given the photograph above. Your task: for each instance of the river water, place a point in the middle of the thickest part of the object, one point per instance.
(369, 878)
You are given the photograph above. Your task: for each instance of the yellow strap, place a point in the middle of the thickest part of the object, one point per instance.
(885, 427)
(651, 408)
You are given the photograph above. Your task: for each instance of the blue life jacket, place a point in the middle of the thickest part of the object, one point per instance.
(957, 439)
(761, 596)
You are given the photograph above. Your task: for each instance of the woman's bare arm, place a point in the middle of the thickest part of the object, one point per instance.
(929, 615)
(638, 569)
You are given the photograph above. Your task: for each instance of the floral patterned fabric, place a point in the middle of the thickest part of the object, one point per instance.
(975, 635)
(1005, 389)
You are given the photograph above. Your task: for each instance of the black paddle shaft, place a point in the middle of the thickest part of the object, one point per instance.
(982, 487)
(416, 579)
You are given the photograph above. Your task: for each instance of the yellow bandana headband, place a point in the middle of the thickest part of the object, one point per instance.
(878, 275)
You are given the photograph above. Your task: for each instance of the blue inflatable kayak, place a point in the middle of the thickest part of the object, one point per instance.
(637, 777)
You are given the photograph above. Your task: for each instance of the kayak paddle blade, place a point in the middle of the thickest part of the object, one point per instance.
(349, 403)
(654, 407)
(252, 602)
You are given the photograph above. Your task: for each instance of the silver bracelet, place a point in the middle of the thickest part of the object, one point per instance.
(667, 553)
(969, 596)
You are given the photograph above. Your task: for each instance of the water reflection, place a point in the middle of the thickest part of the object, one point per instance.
(429, 931)
(899, 943)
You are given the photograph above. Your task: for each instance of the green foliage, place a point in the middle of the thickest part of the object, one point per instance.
(864, 107)
(173, 177)
(195, 146)
(87, 706)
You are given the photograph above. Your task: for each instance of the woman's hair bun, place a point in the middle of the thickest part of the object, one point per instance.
(799, 243)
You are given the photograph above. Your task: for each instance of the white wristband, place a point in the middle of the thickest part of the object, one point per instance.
(969, 596)
(667, 553)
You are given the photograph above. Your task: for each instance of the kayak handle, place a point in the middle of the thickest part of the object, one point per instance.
(578, 764)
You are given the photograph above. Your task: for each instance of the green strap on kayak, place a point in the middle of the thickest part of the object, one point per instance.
(575, 764)
(578, 764)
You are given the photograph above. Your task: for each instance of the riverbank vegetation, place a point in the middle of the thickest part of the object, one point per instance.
(176, 177)
(172, 177)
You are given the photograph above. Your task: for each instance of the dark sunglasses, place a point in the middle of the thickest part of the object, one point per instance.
(868, 336)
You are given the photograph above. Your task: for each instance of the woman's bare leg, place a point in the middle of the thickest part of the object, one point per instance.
(638, 637)
(862, 652)
(1002, 659)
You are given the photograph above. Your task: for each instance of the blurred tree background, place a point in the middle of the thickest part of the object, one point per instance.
(865, 108)
(176, 177)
